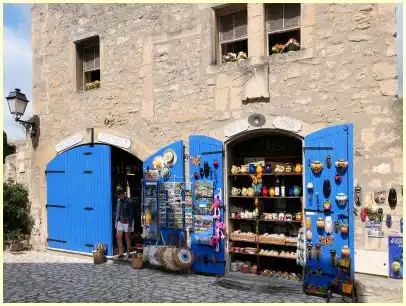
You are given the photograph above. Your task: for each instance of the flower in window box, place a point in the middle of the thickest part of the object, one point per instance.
(277, 48)
(92, 85)
(242, 55)
(291, 45)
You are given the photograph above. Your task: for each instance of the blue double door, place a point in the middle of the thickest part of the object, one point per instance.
(79, 195)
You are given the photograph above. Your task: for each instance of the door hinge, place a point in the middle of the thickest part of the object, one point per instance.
(88, 171)
(54, 171)
(58, 206)
(89, 245)
(318, 148)
(87, 153)
(89, 208)
(56, 240)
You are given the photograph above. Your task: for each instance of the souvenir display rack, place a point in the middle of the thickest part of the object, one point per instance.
(271, 253)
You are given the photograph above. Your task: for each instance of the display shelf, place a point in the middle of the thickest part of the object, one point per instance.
(231, 252)
(243, 240)
(243, 219)
(282, 257)
(269, 157)
(281, 244)
(280, 221)
(269, 174)
(261, 197)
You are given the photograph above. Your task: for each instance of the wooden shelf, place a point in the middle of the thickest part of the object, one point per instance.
(242, 240)
(281, 221)
(260, 197)
(231, 252)
(283, 257)
(244, 219)
(269, 157)
(269, 174)
(281, 244)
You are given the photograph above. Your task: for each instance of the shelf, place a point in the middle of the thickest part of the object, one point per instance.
(269, 174)
(260, 197)
(243, 219)
(243, 253)
(283, 257)
(269, 157)
(281, 244)
(281, 221)
(242, 240)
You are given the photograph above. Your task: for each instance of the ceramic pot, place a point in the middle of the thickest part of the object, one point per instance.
(235, 191)
(271, 191)
(345, 251)
(298, 168)
(268, 168)
(320, 223)
(244, 192)
(279, 168)
(298, 216)
(252, 168)
(308, 223)
(327, 205)
(274, 216)
(316, 166)
(338, 179)
(396, 267)
(328, 225)
(250, 192)
(235, 169)
(291, 191)
(232, 215)
(264, 191)
(244, 169)
(259, 168)
(341, 198)
(296, 191)
(341, 165)
(216, 164)
(309, 235)
(344, 228)
(288, 167)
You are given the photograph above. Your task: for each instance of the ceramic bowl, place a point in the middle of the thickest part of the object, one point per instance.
(341, 198)
(316, 166)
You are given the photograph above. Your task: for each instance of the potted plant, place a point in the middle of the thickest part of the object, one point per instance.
(92, 85)
(233, 57)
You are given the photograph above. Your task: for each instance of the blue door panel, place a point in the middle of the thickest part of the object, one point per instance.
(87, 185)
(336, 141)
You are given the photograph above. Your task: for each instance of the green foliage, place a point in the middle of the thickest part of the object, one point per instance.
(16, 211)
(7, 149)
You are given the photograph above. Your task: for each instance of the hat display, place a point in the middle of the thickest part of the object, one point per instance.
(170, 158)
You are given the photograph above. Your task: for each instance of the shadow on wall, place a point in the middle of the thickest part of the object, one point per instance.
(35, 140)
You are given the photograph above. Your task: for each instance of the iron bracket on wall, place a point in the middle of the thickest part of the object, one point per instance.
(59, 206)
(89, 208)
(87, 153)
(89, 245)
(54, 171)
(88, 171)
(56, 240)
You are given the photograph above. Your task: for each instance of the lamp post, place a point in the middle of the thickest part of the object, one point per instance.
(17, 103)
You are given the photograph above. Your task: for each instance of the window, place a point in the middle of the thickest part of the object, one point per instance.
(283, 27)
(233, 33)
(88, 63)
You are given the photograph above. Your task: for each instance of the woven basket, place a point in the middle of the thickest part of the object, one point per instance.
(99, 258)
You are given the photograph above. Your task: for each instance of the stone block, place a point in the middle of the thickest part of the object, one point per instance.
(383, 168)
(368, 138)
(222, 99)
(384, 71)
(389, 87)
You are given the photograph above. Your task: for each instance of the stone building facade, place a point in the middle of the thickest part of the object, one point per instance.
(162, 80)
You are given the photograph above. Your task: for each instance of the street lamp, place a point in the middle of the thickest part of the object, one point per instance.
(17, 103)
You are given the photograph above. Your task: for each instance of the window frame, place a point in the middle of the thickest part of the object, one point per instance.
(267, 33)
(225, 10)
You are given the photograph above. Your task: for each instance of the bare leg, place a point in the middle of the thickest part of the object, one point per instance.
(119, 237)
(128, 241)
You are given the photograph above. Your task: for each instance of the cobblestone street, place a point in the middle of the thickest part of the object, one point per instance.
(50, 277)
(54, 277)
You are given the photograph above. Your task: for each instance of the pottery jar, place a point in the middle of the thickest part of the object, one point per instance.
(244, 169)
(252, 168)
(344, 228)
(235, 169)
(250, 192)
(298, 216)
(327, 205)
(259, 168)
(308, 223)
(271, 191)
(264, 191)
(296, 191)
(268, 168)
(320, 222)
(316, 166)
(244, 191)
(345, 251)
(298, 168)
(288, 167)
(235, 191)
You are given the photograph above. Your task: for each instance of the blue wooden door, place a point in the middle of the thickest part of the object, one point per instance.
(210, 151)
(84, 188)
(333, 143)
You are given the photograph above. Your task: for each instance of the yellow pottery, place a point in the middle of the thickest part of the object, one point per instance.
(298, 168)
(271, 191)
(259, 169)
(250, 192)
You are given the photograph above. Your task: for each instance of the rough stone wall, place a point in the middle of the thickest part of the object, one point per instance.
(160, 82)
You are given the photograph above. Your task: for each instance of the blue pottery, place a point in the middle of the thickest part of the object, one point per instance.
(291, 191)
(268, 168)
(252, 168)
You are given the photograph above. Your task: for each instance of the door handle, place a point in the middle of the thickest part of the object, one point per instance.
(89, 208)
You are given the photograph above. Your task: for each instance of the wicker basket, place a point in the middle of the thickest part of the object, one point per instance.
(99, 257)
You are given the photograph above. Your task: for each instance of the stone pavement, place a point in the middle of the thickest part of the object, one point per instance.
(54, 277)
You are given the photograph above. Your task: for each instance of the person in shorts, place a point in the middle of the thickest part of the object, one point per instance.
(124, 221)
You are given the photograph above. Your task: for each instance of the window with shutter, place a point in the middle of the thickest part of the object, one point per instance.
(283, 27)
(88, 63)
(233, 34)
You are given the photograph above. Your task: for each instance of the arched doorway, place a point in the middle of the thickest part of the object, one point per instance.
(80, 196)
(279, 215)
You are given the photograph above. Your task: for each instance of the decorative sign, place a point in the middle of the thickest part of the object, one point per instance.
(114, 140)
(395, 244)
(70, 142)
(288, 124)
(374, 229)
(235, 128)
